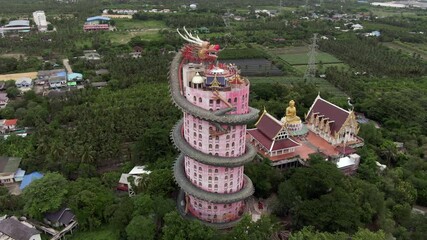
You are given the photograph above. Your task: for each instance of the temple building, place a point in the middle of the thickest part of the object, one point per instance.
(329, 131)
(212, 135)
(272, 136)
(334, 124)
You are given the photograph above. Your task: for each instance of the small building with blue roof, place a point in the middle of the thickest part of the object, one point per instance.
(29, 178)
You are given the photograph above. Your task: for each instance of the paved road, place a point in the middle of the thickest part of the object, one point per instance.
(67, 66)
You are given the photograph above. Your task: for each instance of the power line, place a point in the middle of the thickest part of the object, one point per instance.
(310, 72)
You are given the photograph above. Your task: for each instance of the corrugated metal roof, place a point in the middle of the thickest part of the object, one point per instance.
(29, 178)
(98, 18)
(9, 164)
(15, 23)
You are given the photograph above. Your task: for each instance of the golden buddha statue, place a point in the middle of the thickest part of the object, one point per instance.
(291, 113)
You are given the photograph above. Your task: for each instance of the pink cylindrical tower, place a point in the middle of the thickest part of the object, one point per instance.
(211, 136)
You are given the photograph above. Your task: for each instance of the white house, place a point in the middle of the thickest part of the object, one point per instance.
(40, 19)
(357, 27)
(24, 82)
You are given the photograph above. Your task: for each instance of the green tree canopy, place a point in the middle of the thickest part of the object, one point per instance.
(141, 228)
(45, 195)
(88, 199)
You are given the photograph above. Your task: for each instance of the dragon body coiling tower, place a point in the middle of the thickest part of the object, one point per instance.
(212, 134)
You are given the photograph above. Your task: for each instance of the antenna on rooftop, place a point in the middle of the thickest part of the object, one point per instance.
(310, 72)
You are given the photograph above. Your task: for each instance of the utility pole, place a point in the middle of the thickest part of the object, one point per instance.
(310, 72)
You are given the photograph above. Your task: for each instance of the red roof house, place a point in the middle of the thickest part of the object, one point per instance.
(9, 125)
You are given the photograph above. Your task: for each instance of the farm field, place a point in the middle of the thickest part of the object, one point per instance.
(302, 68)
(298, 55)
(383, 12)
(372, 26)
(124, 37)
(256, 67)
(320, 83)
(408, 48)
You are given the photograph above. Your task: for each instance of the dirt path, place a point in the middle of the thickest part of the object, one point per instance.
(15, 76)
(67, 66)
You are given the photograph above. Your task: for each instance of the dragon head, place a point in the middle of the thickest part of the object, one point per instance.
(199, 50)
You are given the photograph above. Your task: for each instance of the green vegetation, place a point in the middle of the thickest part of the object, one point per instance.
(123, 38)
(128, 24)
(245, 53)
(299, 55)
(103, 233)
(412, 49)
(321, 84)
(84, 139)
(367, 55)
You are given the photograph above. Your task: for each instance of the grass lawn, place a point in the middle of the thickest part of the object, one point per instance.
(126, 24)
(104, 233)
(124, 37)
(322, 84)
(83, 43)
